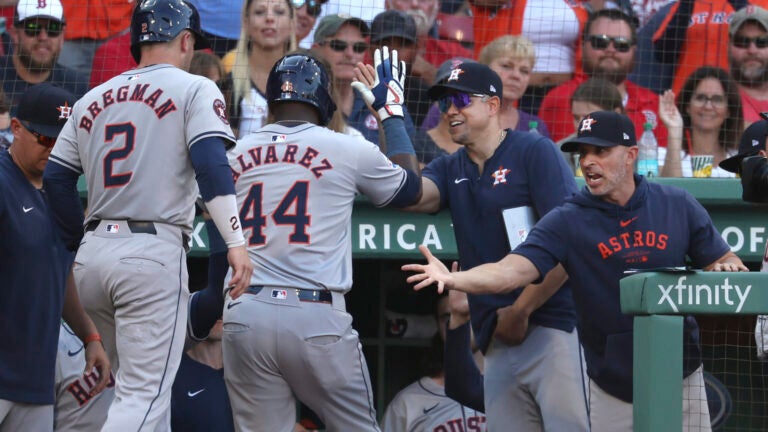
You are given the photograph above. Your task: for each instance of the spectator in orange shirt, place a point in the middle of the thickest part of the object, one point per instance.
(554, 27)
(609, 52)
(89, 24)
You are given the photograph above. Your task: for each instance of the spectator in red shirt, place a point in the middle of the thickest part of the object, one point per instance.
(608, 48)
(748, 59)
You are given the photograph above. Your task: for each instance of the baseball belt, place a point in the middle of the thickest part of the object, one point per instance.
(136, 227)
(306, 295)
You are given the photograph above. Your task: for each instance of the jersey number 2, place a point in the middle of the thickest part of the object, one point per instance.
(252, 214)
(129, 130)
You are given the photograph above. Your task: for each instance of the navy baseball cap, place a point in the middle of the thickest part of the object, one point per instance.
(44, 108)
(752, 141)
(603, 129)
(393, 23)
(467, 77)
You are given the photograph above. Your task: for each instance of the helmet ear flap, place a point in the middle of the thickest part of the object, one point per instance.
(301, 78)
(162, 21)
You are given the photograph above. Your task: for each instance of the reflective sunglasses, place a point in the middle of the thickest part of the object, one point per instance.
(459, 100)
(601, 42)
(745, 42)
(313, 6)
(701, 100)
(33, 28)
(339, 45)
(43, 140)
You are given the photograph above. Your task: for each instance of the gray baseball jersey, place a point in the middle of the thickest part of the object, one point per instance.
(135, 159)
(131, 138)
(75, 409)
(296, 188)
(424, 407)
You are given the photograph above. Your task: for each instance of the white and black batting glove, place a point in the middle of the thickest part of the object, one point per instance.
(386, 96)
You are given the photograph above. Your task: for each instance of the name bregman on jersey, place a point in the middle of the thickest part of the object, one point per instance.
(272, 153)
(127, 93)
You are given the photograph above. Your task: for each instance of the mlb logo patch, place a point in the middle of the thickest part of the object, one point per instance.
(279, 138)
(112, 228)
(279, 294)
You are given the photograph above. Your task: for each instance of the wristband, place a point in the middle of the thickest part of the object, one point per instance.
(94, 337)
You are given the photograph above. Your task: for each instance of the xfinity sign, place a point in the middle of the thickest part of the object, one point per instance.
(685, 294)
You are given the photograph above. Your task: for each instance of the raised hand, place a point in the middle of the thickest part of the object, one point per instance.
(385, 92)
(668, 111)
(433, 272)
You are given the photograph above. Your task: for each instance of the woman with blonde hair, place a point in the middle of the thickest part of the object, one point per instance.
(267, 34)
(512, 58)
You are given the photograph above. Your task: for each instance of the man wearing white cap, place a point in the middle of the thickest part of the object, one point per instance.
(37, 37)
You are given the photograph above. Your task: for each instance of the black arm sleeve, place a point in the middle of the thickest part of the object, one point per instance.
(463, 380)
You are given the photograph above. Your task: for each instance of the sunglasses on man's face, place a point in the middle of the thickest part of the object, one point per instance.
(45, 141)
(339, 45)
(744, 42)
(459, 100)
(313, 6)
(33, 28)
(601, 42)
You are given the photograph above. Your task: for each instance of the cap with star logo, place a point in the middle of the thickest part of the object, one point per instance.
(468, 77)
(603, 129)
(44, 108)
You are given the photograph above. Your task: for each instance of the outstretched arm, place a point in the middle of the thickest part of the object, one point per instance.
(513, 271)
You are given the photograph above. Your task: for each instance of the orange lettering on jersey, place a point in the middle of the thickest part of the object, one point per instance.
(630, 240)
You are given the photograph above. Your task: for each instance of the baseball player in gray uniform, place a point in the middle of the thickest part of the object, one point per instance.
(296, 180)
(140, 140)
(423, 405)
(77, 409)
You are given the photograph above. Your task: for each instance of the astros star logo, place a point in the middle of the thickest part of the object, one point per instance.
(454, 76)
(586, 124)
(500, 175)
(64, 110)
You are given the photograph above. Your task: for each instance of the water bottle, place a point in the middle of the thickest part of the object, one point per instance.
(533, 127)
(648, 154)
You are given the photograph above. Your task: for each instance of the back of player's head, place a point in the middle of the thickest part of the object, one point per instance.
(163, 20)
(300, 77)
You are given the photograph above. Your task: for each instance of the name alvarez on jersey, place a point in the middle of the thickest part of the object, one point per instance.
(287, 154)
(127, 93)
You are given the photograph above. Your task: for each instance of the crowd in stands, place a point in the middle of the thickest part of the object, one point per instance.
(696, 70)
(543, 51)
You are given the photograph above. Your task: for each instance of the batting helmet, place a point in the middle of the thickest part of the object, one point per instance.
(162, 21)
(301, 78)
